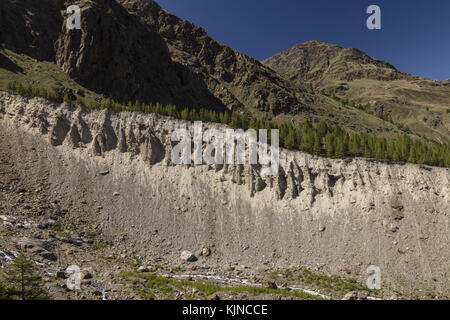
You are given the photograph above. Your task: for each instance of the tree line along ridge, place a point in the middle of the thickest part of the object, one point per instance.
(319, 139)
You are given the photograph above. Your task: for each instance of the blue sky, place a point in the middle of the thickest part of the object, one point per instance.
(415, 35)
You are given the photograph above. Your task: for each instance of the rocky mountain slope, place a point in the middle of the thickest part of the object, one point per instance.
(319, 63)
(136, 51)
(31, 27)
(333, 216)
(353, 77)
(139, 57)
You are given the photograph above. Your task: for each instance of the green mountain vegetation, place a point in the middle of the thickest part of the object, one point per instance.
(356, 81)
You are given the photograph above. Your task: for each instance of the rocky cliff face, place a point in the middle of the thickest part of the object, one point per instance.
(336, 216)
(115, 54)
(31, 27)
(236, 79)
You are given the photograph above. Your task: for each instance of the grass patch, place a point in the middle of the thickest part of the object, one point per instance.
(152, 286)
(99, 244)
(330, 285)
(38, 74)
(56, 228)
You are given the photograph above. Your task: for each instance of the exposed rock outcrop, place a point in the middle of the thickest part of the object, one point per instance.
(31, 27)
(115, 54)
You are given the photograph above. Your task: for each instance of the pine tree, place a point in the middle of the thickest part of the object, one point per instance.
(307, 143)
(184, 114)
(21, 280)
(340, 147)
(289, 141)
(330, 145)
(4, 295)
(322, 128)
(225, 117)
(236, 121)
(317, 146)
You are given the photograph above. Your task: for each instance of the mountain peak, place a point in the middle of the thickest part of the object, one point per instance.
(318, 61)
(315, 43)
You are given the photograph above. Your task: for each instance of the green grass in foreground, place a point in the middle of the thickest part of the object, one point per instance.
(151, 286)
(334, 286)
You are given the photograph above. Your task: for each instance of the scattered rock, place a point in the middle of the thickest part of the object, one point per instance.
(61, 274)
(195, 290)
(49, 256)
(353, 295)
(76, 240)
(188, 256)
(25, 225)
(206, 252)
(47, 224)
(29, 243)
(7, 255)
(394, 228)
(213, 297)
(143, 269)
(229, 268)
(363, 295)
(356, 295)
(347, 270)
(270, 285)
(85, 275)
(6, 218)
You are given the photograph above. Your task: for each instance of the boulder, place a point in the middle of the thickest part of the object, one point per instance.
(270, 285)
(206, 252)
(143, 269)
(188, 256)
